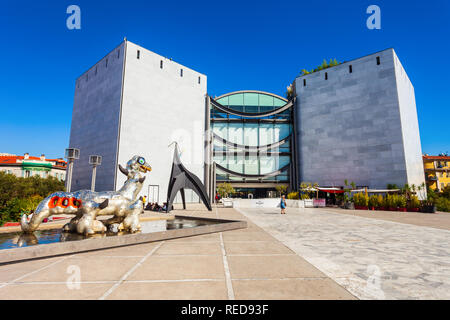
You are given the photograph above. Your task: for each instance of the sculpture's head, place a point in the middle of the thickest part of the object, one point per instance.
(136, 165)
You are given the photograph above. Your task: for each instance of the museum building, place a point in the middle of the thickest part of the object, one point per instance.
(354, 121)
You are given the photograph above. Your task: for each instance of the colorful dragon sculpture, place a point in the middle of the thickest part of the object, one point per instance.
(87, 205)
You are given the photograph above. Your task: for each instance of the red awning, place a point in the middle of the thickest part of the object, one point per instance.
(332, 190)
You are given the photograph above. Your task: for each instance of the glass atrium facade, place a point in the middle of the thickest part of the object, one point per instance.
(253, 138)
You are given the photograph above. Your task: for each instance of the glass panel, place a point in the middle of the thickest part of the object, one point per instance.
(236, 99)
(266, 100)
(278, 102)
(285, 147)
(223, 101)
(267, 164)
(237, 108)
(266, 134)
(252, 109)
(236, 163)
(281, 131)
(221, 160)
(251, 165)
(283, 161)
(251, 99)
(235, 133)
(251, 134)
(221, 129)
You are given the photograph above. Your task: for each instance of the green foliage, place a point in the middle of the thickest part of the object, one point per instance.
(373, 201)
(305, 196)
(446, 192)
(324, 65)
(414, 202)
(360, 199)
(293, 195)
(400, 201)
(19, 195)
(443, 204)
(380, 202)
(281, 189)
(392, 186)
(225, 189)
(389, 201)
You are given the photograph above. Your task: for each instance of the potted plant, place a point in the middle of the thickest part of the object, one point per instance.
(373, 202)
(391, 202)
(361, 201)
(348, 201)
(380, 202)
(429, 205)
(401, 203)
(414, 204)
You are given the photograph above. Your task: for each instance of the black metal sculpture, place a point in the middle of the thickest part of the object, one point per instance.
(180, 179)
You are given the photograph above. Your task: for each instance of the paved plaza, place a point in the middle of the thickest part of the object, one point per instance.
(239, 264)
(305, 254)
(371, 254)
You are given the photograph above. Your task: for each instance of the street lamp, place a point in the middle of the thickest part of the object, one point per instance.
(95, 161)
(71, 155)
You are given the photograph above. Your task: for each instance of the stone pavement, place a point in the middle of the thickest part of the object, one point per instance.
(370, 256)
(239, 264)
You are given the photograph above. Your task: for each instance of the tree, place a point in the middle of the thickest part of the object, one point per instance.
(19, 195)
(225, 189)
(281, 189)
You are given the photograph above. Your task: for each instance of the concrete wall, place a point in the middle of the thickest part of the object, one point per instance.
(95, 121)
(350, 127)
(160, 106)
(410, 126)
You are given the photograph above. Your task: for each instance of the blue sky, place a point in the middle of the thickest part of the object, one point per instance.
(237, 44)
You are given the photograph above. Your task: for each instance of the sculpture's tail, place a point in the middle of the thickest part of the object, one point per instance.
(42, 212)
(36, 219)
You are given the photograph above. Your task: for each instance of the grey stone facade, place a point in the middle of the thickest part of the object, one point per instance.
(138, 105)
(360, 125)
(95, 121)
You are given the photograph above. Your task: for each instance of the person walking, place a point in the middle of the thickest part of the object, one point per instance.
(144, 200)
(283, 205)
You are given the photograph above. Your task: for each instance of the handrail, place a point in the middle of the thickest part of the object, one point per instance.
(258, 176)
(253, 148)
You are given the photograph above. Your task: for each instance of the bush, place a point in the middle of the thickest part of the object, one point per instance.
(225, 189)
(380, 200)
(414, 202)
(373, 201)
(390, 201)
(360, 199)
(281, 189)
(19, 195)
(293, 195)
(304, 196)
(443, 204)
(400, 201)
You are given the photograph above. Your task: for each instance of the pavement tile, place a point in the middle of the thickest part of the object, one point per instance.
(239, 235)
(10, 272)
(91, 269)
(271, 267)
(293, 289)
(266, 247)
(180, 267)
(206, 248)
(191, 290)
(210, 237)
(86, 291)
(138, 250)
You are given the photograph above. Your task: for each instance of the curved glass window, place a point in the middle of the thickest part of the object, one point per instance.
(247, 133)
(251, 102)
